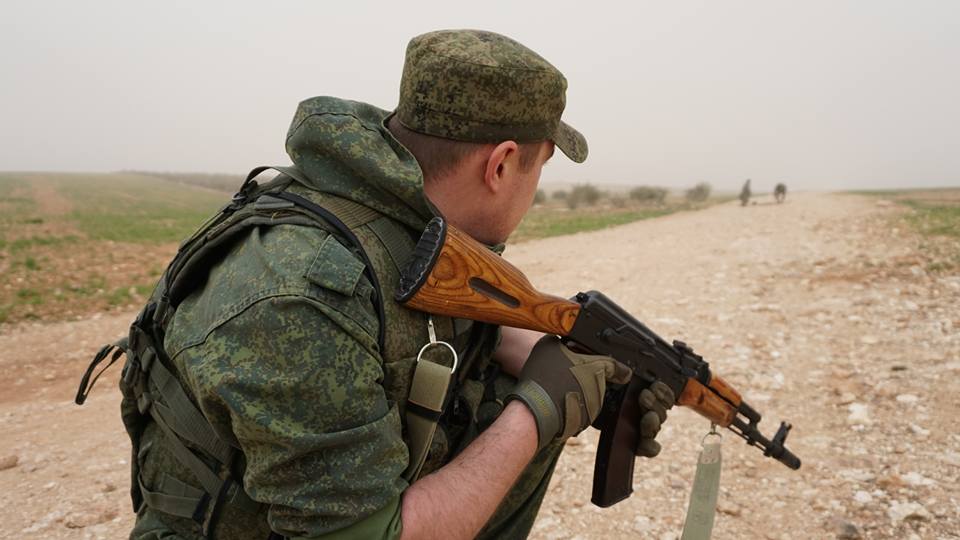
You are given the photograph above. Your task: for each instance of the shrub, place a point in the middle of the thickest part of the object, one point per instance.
(647, 194)
(699, 192)
(540, 197)
(584, 194)
(560, 195)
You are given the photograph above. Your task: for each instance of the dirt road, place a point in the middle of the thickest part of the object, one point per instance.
(820, 310)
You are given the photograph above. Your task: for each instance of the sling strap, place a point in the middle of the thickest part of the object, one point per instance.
(428, 394)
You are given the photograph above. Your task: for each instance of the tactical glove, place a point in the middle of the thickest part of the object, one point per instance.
(656, 400)
(564, 389)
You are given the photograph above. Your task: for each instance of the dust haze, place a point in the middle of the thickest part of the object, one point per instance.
(819, 95)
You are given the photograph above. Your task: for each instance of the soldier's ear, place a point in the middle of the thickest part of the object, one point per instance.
(500, 165)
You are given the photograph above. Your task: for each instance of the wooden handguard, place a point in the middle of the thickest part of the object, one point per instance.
(724, 390)
(468, 281)
(707, 403)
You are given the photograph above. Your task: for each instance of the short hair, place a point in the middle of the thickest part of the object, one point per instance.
(438, 156)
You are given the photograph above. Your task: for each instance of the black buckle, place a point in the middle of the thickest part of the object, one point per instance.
(86, 383)
(144, 402)
(240, 198)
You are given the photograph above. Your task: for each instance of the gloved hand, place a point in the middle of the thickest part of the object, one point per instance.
(656, 399)
(564, 389)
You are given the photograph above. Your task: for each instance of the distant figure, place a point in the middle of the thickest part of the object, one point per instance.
(745, 193)
(780, 192)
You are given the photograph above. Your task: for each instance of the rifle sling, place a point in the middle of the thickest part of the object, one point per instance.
(431, 381)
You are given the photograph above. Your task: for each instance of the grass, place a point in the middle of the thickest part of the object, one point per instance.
(122, 296)
(547, 223)
(137, 209)
(16, 205)
(934, 212)
(114, 207)
(935, 215)
(25, 243)
(30, 296)
(94, 285)
(76, 244)
(933, 219)
(556, 219)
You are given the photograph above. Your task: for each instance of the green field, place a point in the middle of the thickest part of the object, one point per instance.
(115, 207)
(76, 244)
(556, 218)
(547, 222)
(934, 212)
(72, 244)
(935, 215)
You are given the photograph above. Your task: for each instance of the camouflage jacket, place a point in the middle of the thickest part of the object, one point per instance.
(278, 348)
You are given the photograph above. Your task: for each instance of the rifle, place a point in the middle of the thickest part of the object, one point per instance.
(453, 275)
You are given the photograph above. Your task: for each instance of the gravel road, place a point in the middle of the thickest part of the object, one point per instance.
(819, 310)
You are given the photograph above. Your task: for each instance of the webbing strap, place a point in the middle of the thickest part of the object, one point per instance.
(181, 415)
(210, 481)
(350, 213)
(702, 510)
(86, 383)
(397, 242)
(212, 484)
(424, 407)
(178, 499)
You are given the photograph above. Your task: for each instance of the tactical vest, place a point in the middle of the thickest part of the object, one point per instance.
(151, 389)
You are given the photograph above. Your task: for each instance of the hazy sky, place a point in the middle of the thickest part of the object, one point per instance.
(819, 94)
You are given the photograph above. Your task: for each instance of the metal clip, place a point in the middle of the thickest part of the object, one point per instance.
(432, 332)
(713, 432)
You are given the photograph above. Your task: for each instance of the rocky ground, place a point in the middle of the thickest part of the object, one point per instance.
(821, 311)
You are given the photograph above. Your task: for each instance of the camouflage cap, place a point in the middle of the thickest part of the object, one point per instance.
(471, 85)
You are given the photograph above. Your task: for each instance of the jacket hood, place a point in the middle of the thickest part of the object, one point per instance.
(344, 148)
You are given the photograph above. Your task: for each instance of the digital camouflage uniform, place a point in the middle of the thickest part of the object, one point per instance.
(278, 342)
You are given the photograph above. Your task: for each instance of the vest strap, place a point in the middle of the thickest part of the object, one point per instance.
(182, 415)
(395, 240)
(177, 499)
(211, 482)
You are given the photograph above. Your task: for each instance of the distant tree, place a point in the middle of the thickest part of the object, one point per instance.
(560, 195)
(699, 192)
(647, 194)
(584, 194)
(540, 197)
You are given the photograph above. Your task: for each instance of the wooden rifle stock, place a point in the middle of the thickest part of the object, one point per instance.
(453, 275)
(468, 281)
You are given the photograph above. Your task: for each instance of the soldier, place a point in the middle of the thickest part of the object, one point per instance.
(281, 404)
(745, 193)
(780, 192)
